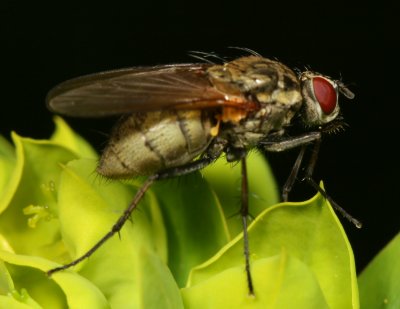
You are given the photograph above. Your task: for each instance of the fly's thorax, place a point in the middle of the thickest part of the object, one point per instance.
(145, 143)
(262, 79)
(273, 86)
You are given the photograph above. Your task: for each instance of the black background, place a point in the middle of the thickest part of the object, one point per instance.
(43, 44)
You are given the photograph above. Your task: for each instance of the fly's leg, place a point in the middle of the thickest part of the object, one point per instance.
(279, 144)
(187, 168)
(168, 173)
(232, 155)
(115, 229)
(244, 212)
(287, 187)
(308, 178)
(314, 138)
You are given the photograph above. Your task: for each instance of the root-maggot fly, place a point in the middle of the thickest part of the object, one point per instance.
(179, 118)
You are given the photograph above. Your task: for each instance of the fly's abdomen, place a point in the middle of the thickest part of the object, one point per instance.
(144, 143)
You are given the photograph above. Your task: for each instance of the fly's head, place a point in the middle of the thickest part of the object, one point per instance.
(320, 98)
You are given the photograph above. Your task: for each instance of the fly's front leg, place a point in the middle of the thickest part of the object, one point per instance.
(281, 144)
(303, 141)
(278, 144)
(287, 187)
(168, 173)
(308, 178)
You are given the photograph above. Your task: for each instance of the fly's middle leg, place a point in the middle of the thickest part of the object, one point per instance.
(244, 212)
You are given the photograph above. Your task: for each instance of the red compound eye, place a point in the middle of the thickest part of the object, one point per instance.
(325, 93)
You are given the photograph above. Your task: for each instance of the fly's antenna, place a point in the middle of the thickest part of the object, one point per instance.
(345, 90)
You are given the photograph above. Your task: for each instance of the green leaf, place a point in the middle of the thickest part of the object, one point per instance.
(6, 283)
(380, 281)
(305, 238)
(185, 202)
(65, 137)
(28, 272)
(18, 300)
(54, 207)
(29, 203)
(7, 164)
(283, 280)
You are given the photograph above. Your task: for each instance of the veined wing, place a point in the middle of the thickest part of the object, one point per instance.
(182, 86)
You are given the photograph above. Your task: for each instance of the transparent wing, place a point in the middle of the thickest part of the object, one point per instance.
(136, 89)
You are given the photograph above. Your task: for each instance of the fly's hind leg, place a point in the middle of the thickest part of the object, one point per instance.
(168, 173)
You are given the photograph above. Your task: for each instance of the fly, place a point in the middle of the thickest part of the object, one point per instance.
(177, 119)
